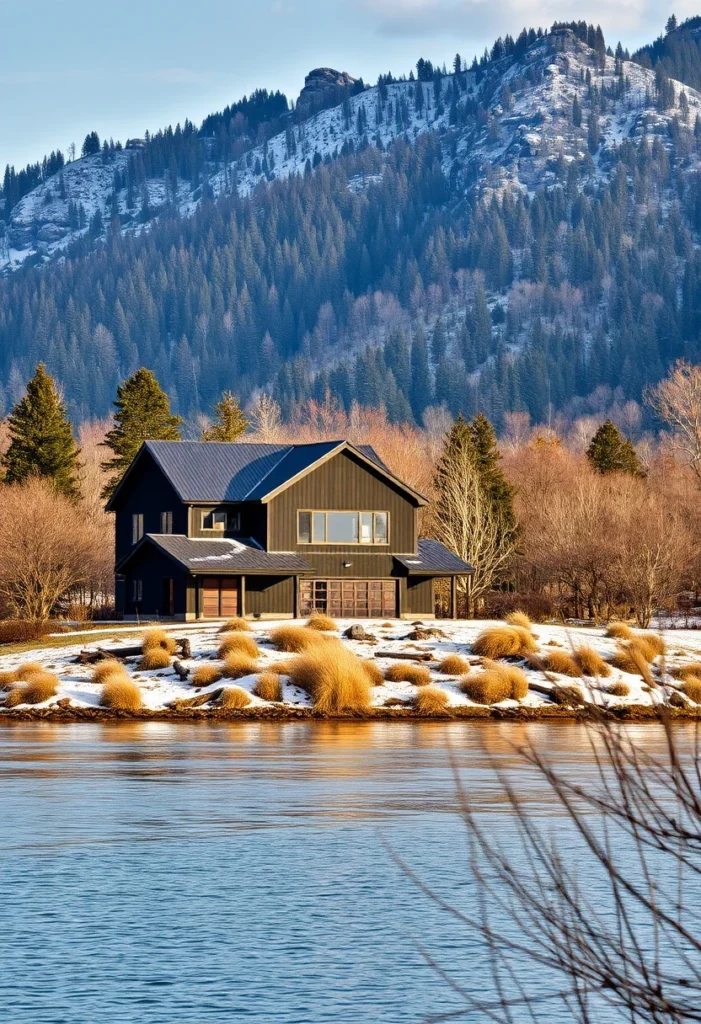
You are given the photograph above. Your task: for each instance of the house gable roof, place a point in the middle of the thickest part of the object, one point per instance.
(241, 471)
(219, 556)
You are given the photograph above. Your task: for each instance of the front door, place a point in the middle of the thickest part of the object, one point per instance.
(220, 597)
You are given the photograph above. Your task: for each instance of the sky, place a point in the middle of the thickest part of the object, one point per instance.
(72, 66)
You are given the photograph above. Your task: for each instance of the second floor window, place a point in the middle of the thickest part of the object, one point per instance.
(221, 522)
(166, 522)
(343, 527)
(137, 527)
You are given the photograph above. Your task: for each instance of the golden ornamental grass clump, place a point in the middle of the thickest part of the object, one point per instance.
(689, 671)
(405, 672)
(373, 671)
(453, 665)
(237, 665)
(619, 631)
(619, 689)
(205, 675)
(268, 687)
(121, 694)
(691, 688)
(238, 642)
(429, 700)
(28, 669)
(158, 638)
(654, 642)
(106, 668)
(335, 679)
(14, 697)
(518, 618)
(295, 639)
(8, 679)
(234, 625)
(235, 698)
(495, 683)
(562, 663)
(504, 642)
(41, 686)
(323, 623)
(591, 662)
(154, 658)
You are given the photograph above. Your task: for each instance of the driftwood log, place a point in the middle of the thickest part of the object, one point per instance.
(181, 672)
(405, 655)
(93, 655)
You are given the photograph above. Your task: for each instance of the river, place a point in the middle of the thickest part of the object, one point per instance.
(177, 874)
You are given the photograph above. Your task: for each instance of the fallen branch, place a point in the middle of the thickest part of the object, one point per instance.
(406, 655)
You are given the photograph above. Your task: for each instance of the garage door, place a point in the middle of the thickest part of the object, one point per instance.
(349, 599)
(220, 597)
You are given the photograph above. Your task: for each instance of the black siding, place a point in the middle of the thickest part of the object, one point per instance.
(152, 567)
(147, 491)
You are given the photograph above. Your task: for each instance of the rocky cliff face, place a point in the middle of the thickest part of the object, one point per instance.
(323, 87)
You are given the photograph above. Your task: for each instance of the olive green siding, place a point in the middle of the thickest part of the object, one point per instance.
(343, 483)
(267, 595)
(253, 521)
(417, 596)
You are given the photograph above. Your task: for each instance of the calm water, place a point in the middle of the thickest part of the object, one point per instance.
(181, 874)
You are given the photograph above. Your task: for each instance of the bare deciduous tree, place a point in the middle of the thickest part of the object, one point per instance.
(677, 401)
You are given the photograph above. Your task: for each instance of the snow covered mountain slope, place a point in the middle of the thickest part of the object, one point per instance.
(511, 129)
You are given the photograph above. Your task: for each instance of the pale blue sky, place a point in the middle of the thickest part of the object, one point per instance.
(68, 66)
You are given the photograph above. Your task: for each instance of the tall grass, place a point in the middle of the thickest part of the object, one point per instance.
(591, 662)
(692, 689)
(518, 618)
(106, 668)
(268, 687)
(154, 658)
(405, 672)
(618, 689)
(40, 687)
(504, 642)
(158, 638)
(496, 683)
(562, 663)
(205, 675)
(335, 679)
(373, 671)
(238, 665)
(453, 665)
(619, 631)
(8, 679)
(324, 623)
(235, 698)
(238, 642)
(295, 639)
(232, 625)
(429, 700)
(121, 694)
(28, 669)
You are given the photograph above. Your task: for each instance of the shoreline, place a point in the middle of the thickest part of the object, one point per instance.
(621, 713)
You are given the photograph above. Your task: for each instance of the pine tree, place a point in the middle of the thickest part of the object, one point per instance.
(143, 414)
(42, 442)
(230, 422)
(611, 452)
(484, 443)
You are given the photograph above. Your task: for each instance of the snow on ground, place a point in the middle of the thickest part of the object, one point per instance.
(160, 687)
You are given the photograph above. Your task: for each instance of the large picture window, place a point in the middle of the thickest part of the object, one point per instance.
(343, 527)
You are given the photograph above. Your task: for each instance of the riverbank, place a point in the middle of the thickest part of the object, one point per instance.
(192, 683)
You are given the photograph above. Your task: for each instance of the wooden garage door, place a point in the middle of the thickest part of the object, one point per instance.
(349, 599)
(220, 597)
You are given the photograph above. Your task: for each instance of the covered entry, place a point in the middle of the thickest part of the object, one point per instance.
(219, 597)
(349, 599)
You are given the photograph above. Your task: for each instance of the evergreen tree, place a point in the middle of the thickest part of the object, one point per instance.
(486, 454)
(42, 442)
(230, 422)
(143, 414)
(611, 452)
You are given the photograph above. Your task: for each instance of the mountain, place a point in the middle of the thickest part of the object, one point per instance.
(522, 235)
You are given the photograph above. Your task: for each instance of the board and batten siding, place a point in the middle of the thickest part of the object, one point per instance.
(253, 521)
(343, 483)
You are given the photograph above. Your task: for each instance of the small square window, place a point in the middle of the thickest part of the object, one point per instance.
(218, 521)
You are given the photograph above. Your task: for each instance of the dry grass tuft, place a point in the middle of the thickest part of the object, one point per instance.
(692, 689)
(405, 672)
(454, 665)
(635, 657)
(158, 638)
(373, 671)
(335, 679)
(234, 698)
(42, 686)
(239, 643)
(619, 631)
(647, 648)
(692, 670)
(15, 697)
(562, 663)
(8, 679)
(619, 689)
(495, 683)
(106, 668)
(591, 663)
(154, 657)
(518, 618)
(504, 642)
(238, 665)
(27, 670)
(654, 642)
(323, 623)
(295, 639)
(205, 675)
(567, 696)
(234, 625)
(281, 667)
(429, 700)
(121, 694)
(268, 686)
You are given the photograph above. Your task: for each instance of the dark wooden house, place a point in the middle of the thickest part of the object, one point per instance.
(208, 530)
